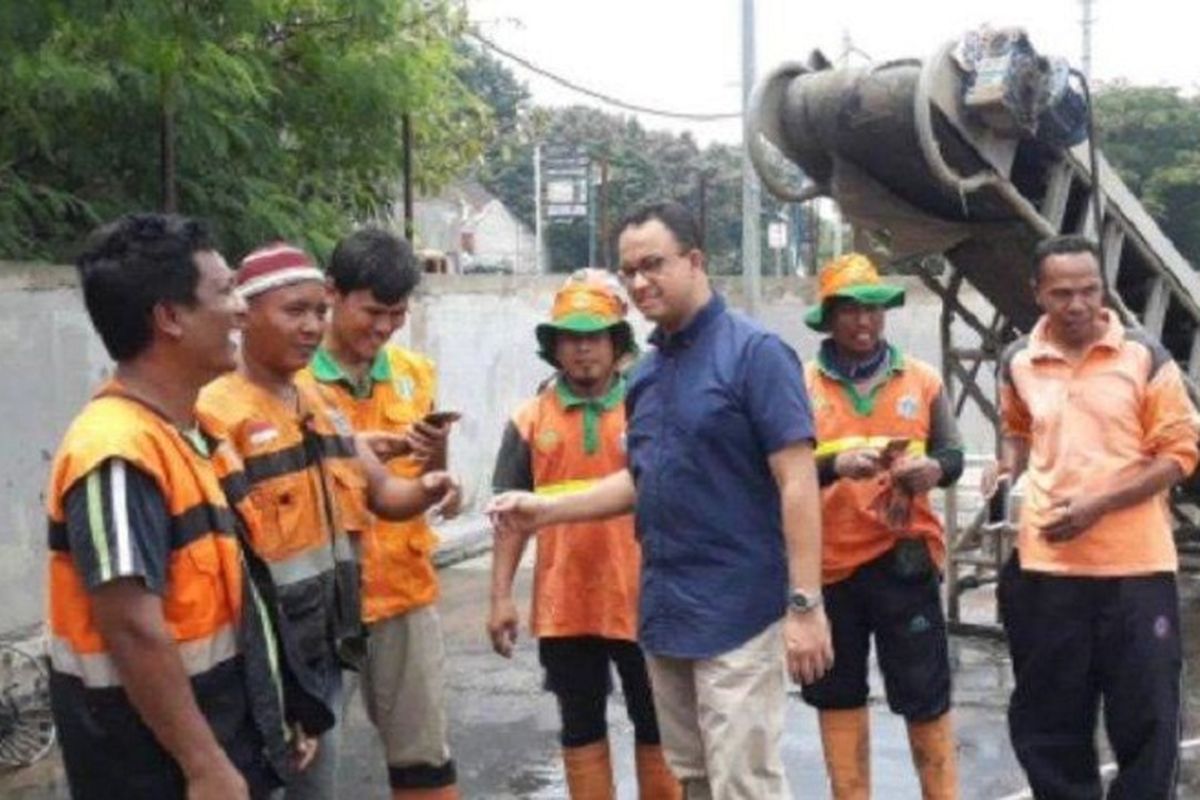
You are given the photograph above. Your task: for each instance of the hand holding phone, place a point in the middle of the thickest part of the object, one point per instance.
(440, 418)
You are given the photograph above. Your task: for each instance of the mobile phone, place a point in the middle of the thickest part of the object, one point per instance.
(998, 504)
(440, 418)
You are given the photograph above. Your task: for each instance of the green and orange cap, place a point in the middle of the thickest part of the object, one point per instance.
(854, 277)
(589, 302)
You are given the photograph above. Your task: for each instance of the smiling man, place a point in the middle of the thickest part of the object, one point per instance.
(887, 436)
(309, 486)
(722, 474)
(378, 386)
(165, 667)
(1097, 418)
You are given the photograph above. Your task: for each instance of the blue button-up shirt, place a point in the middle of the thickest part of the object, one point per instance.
(705, 409)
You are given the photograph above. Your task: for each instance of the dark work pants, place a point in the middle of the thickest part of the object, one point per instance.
(1075, 641)
(904, 617)
(579, 674)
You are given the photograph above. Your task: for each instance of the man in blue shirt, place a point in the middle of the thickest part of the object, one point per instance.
(722, 474)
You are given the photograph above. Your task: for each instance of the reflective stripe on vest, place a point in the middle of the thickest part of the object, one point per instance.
(97, 670)
(311, 562)
(565, 487)
(846, 443)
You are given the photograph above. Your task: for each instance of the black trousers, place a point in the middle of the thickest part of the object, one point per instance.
(579, 675)
(1075, 641)
(904, 615)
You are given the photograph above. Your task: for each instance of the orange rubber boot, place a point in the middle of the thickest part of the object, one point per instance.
(589, 771)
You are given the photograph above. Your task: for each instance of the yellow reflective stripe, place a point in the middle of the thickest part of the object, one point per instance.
(832, 447)
(565, 487)
(97, 670)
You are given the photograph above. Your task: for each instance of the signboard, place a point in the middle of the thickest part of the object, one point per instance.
(777, 235)
(566, 171)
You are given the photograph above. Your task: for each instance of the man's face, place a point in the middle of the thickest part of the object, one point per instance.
(206, 329)
(662, 280)
(285, 325)
(856, 327)
(1071, 294)
(362, 324)
(587, 359)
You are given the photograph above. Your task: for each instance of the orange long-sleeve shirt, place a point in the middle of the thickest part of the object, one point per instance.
(1090, 425)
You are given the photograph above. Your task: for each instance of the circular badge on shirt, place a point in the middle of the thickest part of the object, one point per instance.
(547, 440)
(906, 407)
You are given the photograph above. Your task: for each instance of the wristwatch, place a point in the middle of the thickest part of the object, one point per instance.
(802, 602)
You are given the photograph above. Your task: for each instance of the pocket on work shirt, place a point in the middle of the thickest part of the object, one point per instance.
(349, 487)
(283, 523)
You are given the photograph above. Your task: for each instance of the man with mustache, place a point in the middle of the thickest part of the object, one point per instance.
(586, 576)
(168, 675)
(1097, 419)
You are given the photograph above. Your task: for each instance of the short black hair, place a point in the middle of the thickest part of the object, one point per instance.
(376, 260)
(1065, 244)
(132, 264)
(675, 217)
(621, 337)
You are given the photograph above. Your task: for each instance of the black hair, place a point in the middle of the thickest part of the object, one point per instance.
(1066, 244)
(675, 217)
(132, 264)
(376, 260)
(620, 335)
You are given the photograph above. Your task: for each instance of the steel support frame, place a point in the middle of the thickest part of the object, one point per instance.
(975, 552)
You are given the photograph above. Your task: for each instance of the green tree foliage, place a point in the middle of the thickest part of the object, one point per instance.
(1152, 136)
(271, 118)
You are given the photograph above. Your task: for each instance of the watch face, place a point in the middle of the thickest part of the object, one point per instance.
(799, 601)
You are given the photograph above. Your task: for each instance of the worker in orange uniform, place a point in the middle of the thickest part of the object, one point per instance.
(584, 614)
(886, 436)
(378, 386)
(1097, 418)
(167, 662)
(309, 490)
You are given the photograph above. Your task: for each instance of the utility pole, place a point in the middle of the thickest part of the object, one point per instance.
(406, 143)
(591, 215)
(604, 235)
(537, 209)
(1086, 23)
(751, 266)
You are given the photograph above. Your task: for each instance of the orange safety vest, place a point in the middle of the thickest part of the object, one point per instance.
(397, 565)
(586, 574)
(900, 408)
(294, 460)
(210, 608)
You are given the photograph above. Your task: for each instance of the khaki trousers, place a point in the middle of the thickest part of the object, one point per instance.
(721, 719)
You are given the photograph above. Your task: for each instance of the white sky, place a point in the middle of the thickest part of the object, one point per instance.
(685, 54)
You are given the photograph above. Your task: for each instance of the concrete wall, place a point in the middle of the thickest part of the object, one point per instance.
(479, 329)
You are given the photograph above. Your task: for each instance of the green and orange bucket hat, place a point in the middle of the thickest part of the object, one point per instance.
(852, 276)
(589, 302)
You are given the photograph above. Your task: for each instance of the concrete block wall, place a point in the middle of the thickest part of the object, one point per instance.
(479, 330)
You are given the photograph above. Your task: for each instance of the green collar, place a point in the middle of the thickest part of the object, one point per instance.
(326, 369)
(864, 404)
(592, 407)
(196, 438)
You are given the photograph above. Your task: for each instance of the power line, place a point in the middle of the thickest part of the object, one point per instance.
(606, 98)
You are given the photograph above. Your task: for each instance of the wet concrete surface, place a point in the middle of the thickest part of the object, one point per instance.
(504, 727)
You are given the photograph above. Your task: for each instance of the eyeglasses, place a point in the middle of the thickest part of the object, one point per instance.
(649, 267)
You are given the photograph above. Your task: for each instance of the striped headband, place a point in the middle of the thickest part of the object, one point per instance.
(275, 265)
